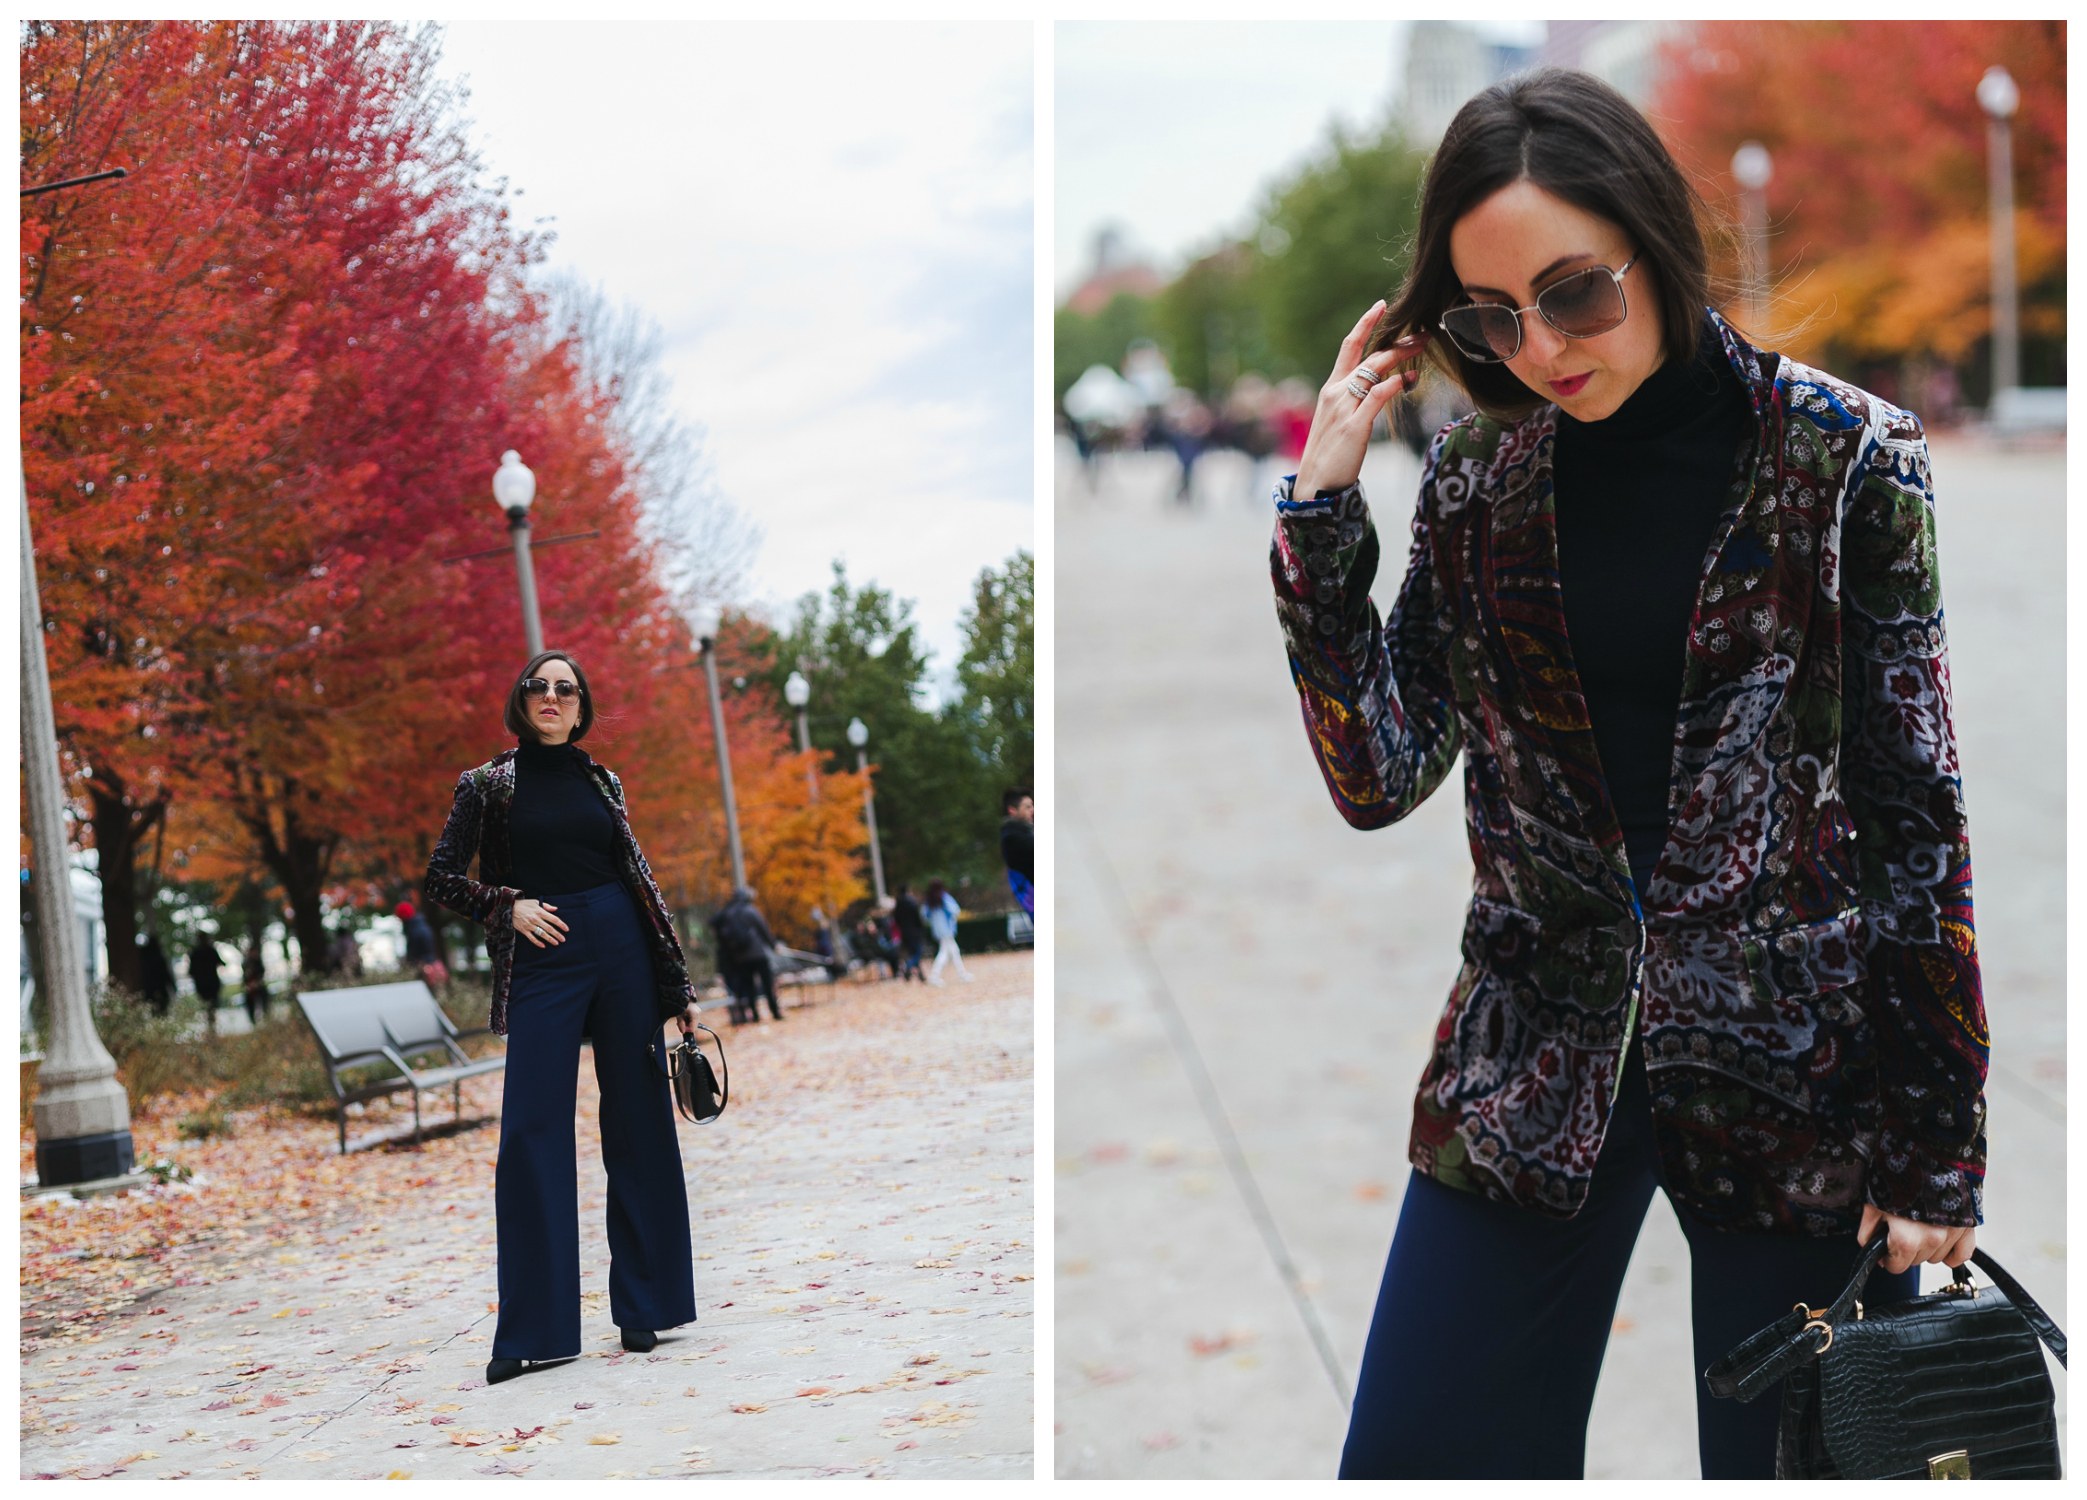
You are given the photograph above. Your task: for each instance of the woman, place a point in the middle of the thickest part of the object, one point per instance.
(1674, 600)
(941, 910)
(559, 866)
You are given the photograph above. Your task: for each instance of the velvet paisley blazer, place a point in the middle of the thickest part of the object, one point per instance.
(478, 825)
(1803, 957)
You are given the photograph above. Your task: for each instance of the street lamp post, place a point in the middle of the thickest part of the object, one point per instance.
(707, 622)
(798, 692)
(82, 1114)
(1998, 97)
(858, 736)
(514, 487)
(1752, 168)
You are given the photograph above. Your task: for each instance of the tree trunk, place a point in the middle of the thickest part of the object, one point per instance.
(300, 861)
(119, 827)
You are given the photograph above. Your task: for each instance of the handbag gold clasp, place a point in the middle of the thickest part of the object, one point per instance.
(1955, 1465)
(1821, 1323)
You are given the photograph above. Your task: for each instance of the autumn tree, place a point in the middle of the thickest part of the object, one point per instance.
(1879, 241)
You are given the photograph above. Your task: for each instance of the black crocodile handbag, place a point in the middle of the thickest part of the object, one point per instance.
(1950, 1385)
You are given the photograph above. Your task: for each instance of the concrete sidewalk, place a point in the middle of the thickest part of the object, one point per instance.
(862, 1227)
(1247, 987)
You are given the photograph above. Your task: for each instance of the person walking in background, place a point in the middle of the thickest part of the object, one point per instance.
(744, 939)
(582, 947)
(912, 930)
(255, 978)
(1018, 845)
(345, 952)
(423, 954)
(1673, 602)
(156, 976)
(942, 913)
(203, 973)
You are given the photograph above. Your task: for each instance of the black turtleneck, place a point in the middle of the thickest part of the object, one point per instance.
(1639, 497)
(561, 832)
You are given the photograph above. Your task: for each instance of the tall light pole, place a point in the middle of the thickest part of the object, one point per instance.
(514, 487)
(858, 736)
(798, 693)
(1998, 97)
(1752, 168)
(82, 1115)
(707, 622)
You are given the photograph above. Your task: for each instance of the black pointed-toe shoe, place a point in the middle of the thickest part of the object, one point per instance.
(502, 1369)
(639, 1340)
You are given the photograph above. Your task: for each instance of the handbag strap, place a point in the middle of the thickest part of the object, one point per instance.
(674, 1064)
(1802, 1334)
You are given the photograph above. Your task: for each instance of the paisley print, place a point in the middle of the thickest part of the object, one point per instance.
(1802, 963)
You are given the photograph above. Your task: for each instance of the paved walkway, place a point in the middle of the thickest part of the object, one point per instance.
(863, 1244)
(1246, 986)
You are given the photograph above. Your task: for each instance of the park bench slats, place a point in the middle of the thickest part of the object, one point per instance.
(390, 1023)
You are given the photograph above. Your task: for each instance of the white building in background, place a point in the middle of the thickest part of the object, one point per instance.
(1447, 62)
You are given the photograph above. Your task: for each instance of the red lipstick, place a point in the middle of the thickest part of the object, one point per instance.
(1572, 385)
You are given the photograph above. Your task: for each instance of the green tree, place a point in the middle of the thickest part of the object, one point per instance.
(1334, 237)
(997, 672)
(1211, 323)
(1079, 341)
(859, 648)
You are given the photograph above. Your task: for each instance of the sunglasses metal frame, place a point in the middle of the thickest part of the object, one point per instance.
(542, 687)
(1537, 308)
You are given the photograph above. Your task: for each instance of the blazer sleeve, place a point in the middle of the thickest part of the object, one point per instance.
(1377, 699)
(448, 879)
(1900, 777)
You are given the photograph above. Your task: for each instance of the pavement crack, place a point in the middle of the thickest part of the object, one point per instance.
(1211, 1103)
(377, 1389)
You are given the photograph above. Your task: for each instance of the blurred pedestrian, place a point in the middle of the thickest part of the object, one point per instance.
(744, 939)
(912, 930)
(1018, 845)
(423, 953)
(254, 980)
(582, 947)
(204, 974)
(942, 911)
(1682, 970)
(156, 975)
(345, 952)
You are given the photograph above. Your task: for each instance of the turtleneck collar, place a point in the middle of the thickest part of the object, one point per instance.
(531, 752)
(1670, 397)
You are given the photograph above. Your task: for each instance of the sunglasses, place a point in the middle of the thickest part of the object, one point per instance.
(534, 688)
(1582, 305)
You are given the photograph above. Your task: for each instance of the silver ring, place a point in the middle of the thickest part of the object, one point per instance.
(1359, 392)
(1364, 372)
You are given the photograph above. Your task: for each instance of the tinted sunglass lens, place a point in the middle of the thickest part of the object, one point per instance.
(538, 687)
(1583, 305)
(1485, 333)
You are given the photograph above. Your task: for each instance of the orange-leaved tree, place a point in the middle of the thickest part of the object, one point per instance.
(1878, 208)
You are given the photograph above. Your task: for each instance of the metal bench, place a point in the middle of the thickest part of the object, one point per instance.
(390, 1023)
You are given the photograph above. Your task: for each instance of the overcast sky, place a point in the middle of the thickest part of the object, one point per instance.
(833, 225)
(1173, 129)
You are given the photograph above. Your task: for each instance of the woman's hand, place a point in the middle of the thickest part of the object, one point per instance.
(533, 920)
(1915, 1244)
(687, 1019)
(1341, 424)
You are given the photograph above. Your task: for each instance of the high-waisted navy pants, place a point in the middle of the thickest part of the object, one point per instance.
(599, 980)
(1492, 1320)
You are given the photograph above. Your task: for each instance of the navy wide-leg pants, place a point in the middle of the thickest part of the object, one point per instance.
(598, 981)
(1492, 1320)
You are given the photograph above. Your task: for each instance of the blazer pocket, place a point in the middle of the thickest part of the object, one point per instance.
(1809, 958)
(1500, 939)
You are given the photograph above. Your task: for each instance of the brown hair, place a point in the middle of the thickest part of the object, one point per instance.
(517, 717)
(1576, 137)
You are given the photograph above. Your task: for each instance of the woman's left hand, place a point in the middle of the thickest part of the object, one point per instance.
(687, 1019)
(1914, 1243)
